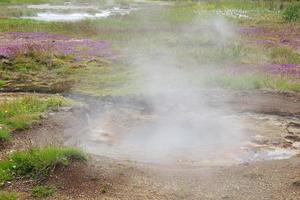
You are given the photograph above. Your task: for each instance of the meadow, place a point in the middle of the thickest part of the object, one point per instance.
(96, 57)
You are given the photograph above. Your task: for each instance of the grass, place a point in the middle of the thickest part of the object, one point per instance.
(255, 81)
(4, 135)
(20, 113)
(43, 191)
(8, 196)
(283, 55)
(38, 72)
(37, 163)
(105, 81)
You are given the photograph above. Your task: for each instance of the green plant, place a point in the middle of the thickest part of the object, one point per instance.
(4, 134)
(292, 12)
(19, 113)
(2, 83)
(283, 55)
(37, 163)
(8, 196)
(43, 191)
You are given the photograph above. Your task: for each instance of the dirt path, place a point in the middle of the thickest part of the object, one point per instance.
(106, 178)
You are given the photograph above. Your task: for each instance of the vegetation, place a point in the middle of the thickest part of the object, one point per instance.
(283, 55)
(43, 191)
(292, 12)
(99, 78)
(20, 113)
(37, 163)
(8, 196)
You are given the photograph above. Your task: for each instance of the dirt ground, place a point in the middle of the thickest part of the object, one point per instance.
(106, 178)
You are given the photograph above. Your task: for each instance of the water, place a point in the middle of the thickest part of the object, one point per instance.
(53, 12)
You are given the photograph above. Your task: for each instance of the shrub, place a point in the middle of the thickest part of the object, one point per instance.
(292, 12)
(43, 191)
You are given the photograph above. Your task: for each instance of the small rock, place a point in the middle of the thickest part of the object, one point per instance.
(295, 138)
(296, 183)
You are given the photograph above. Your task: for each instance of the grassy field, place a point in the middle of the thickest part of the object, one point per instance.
(108, 57)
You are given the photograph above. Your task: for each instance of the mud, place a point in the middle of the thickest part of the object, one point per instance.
(112, 128)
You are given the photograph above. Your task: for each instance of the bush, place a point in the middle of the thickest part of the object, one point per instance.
(292, 13)
(43, 191)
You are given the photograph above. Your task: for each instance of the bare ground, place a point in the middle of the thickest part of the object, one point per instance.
(106, 178)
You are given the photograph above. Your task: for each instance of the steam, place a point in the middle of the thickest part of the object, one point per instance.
(181, 124)
(185, 127)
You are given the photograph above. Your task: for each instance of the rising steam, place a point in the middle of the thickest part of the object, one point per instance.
(180, 124)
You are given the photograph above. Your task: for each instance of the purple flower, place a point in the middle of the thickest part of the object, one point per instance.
(15, 43)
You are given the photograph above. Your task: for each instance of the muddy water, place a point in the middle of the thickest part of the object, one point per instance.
(130, 133)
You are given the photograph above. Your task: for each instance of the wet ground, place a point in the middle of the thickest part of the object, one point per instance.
(269, 169)
(219, 136)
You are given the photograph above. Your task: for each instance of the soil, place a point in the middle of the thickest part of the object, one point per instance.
(107, 178)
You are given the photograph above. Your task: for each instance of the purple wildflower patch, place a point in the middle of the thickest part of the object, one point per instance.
(289, 69)
(292, 70)
(288, 36)
(13, 44)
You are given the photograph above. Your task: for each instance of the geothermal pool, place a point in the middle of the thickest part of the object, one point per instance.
(210, 138)
(69, 12)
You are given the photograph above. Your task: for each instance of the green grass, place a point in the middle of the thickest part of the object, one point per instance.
(104, 80)
(43, 191)
(292, 12)
(284, 55)
(37, 163)
(20, 113)
(8, 196)
(255, 81)
(38, 72)
(4, 134)
(2, 83)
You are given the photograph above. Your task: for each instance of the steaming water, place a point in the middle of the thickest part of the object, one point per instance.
(143, 136)
(180, 126)
(76, 16)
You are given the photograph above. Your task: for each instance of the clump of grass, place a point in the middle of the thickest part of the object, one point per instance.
(282, 55)
(43, 191)
(255, 81)
(37, 163)
(2, 83)
(8, 196)
(4, 134)
(292, 12)
(20, 113)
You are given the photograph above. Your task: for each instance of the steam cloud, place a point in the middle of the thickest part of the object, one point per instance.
(181, 125)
